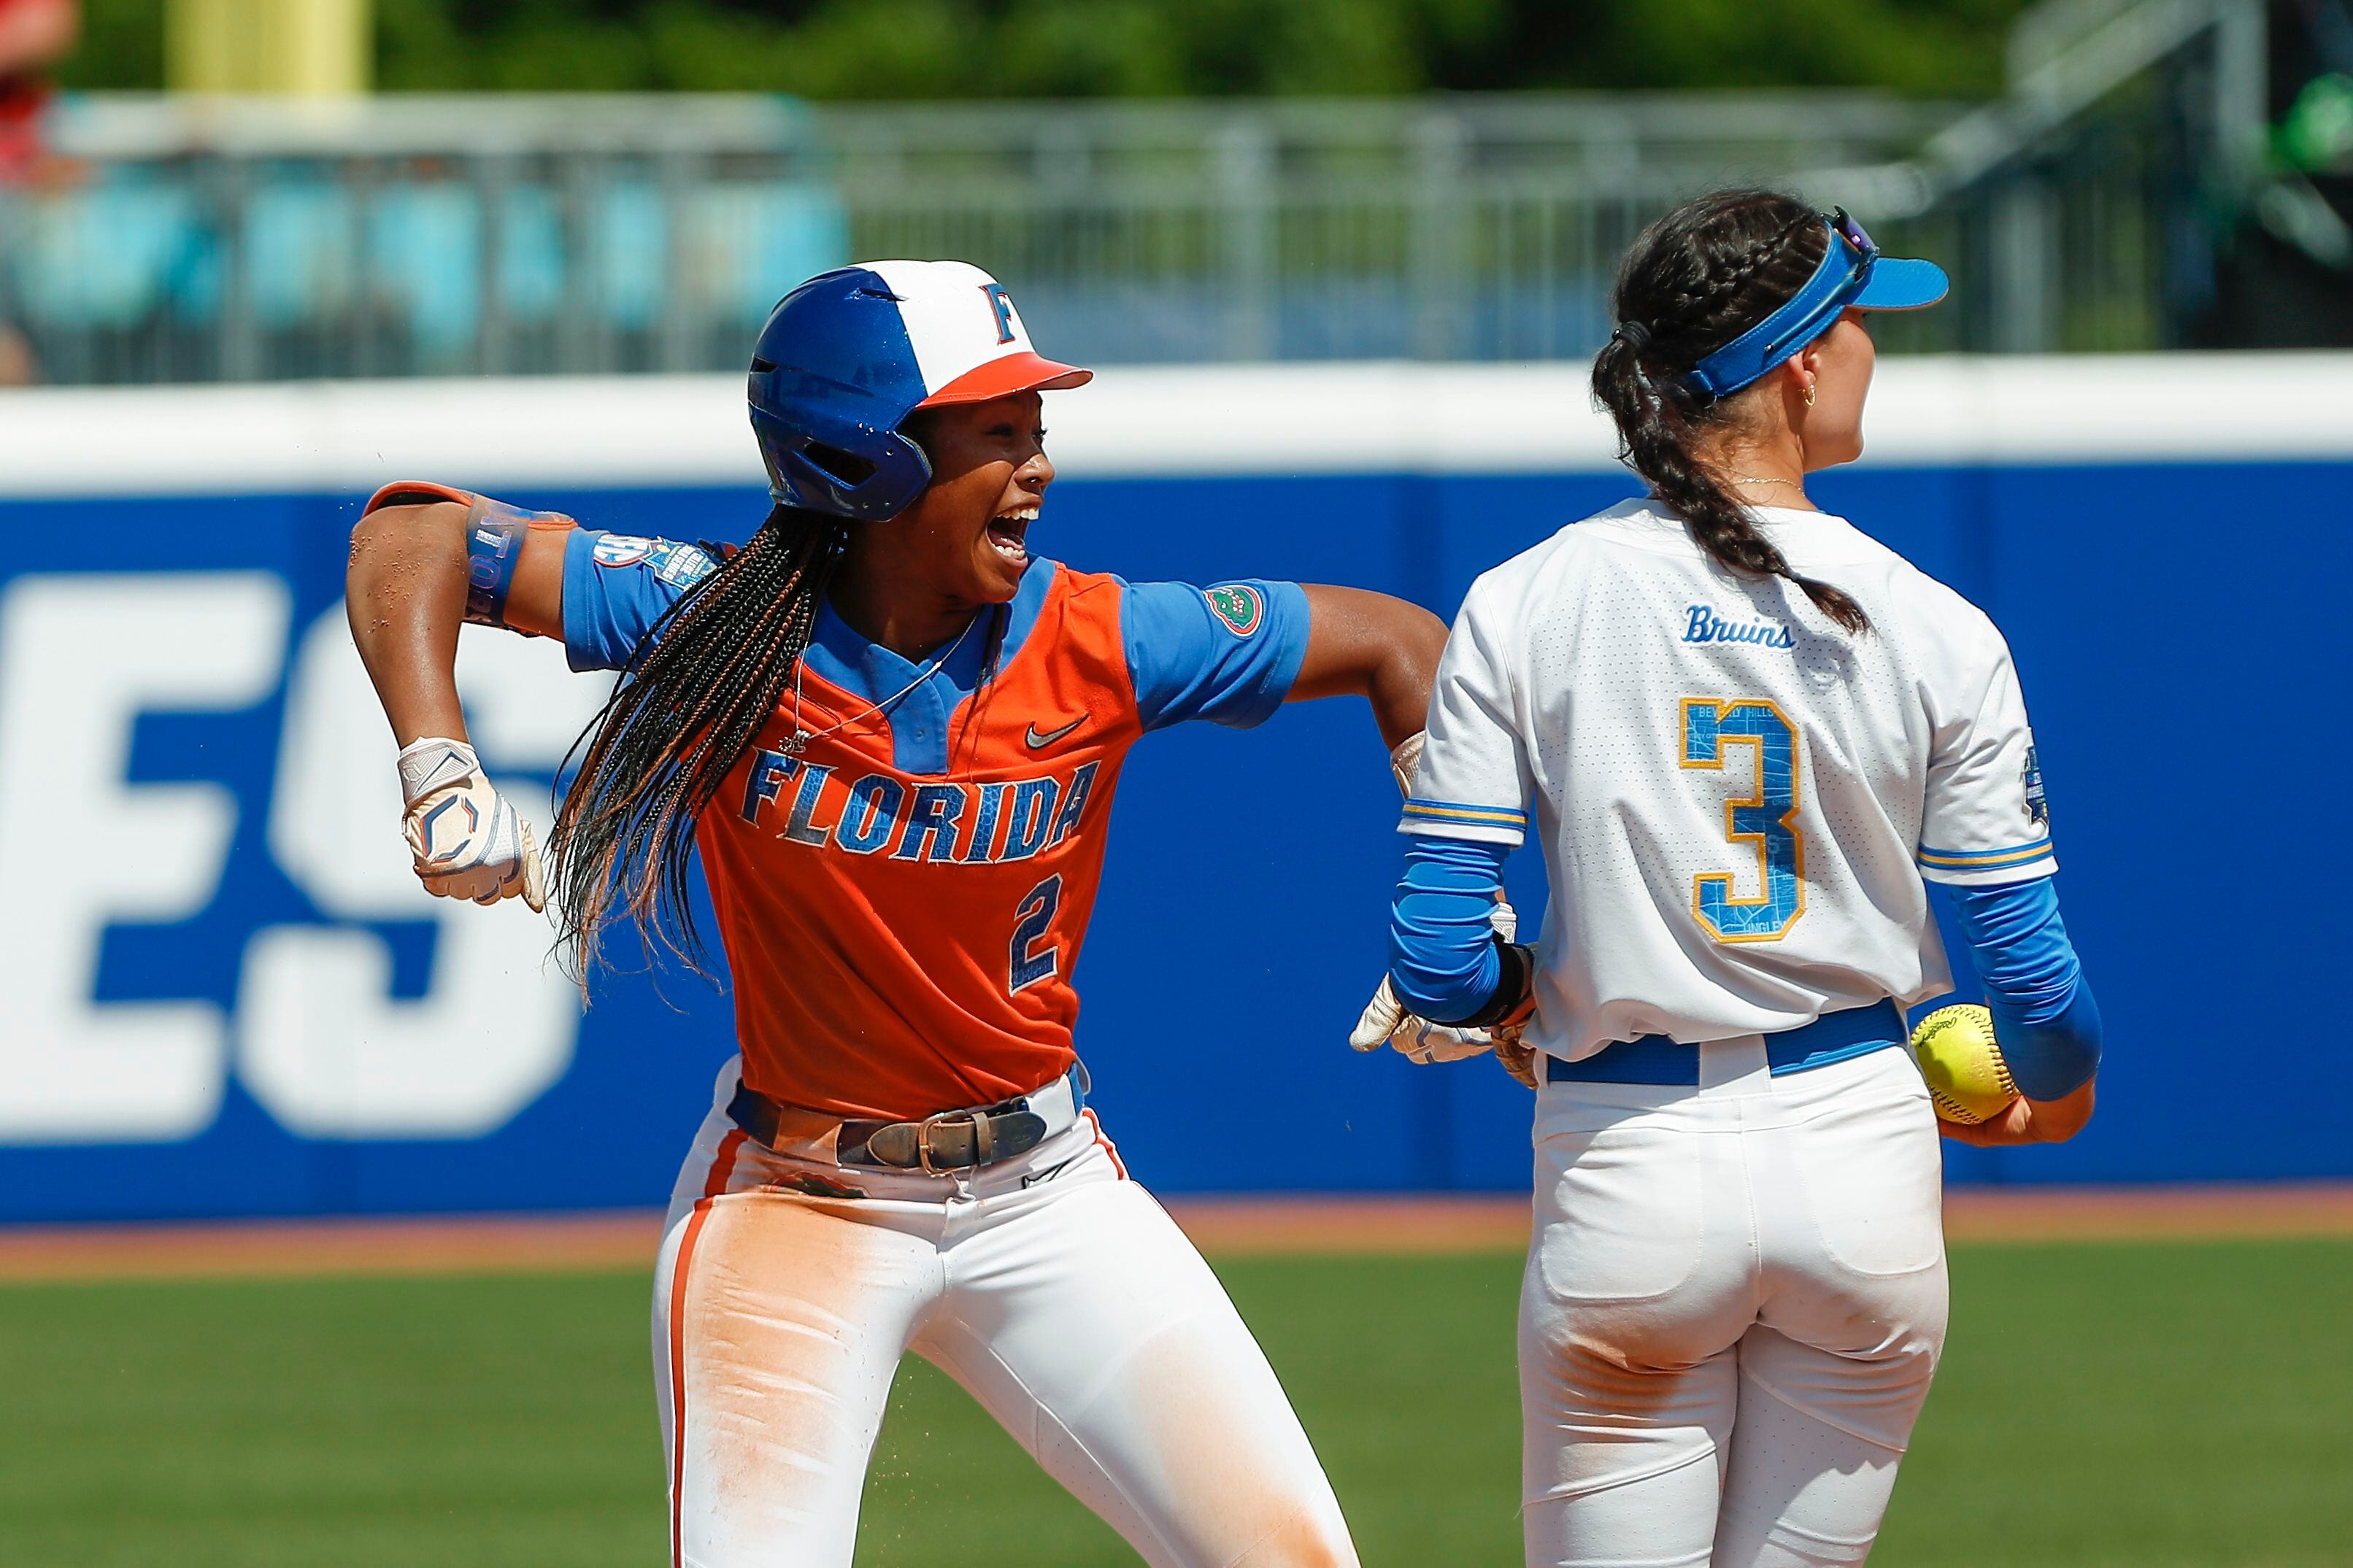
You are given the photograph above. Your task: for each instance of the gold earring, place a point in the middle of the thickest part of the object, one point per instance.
(1810, 394)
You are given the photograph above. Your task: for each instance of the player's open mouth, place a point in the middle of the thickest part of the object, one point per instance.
(1008, 533)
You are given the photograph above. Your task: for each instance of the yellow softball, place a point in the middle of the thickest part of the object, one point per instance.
(1967, 1077)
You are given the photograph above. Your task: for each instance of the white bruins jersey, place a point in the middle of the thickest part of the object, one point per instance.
(1737, 800)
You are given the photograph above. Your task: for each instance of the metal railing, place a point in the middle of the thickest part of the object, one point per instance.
(180, 238)
(1464, 228)
(200, 239)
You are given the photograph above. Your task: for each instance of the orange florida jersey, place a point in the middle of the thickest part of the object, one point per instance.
(902, 895)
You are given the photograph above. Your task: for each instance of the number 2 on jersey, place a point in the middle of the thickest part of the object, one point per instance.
(1030, 963)
(1767, 819)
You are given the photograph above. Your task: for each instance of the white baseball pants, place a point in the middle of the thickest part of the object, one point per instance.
(1733, 1303)
(1057, 1291)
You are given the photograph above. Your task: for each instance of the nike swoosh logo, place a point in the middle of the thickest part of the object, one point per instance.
(1038, 742)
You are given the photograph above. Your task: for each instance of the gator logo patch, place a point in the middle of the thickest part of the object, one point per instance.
(1239, 606)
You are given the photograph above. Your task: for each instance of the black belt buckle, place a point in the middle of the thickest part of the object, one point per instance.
(992, 1132)
(913, 1145)
(982, 1124)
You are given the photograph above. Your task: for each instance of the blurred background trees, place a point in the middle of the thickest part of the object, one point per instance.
(1090, 49)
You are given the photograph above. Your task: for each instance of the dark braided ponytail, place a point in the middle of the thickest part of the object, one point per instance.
(1694, 280)
(720, 661)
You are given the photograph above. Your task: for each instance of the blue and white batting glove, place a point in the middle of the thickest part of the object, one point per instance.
(468, 840)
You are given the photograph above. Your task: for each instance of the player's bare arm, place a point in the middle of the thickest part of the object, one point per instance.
(423, 563)
(1382, 649)
(405, 592)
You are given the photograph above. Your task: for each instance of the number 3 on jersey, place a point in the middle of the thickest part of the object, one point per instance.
(1766, 819)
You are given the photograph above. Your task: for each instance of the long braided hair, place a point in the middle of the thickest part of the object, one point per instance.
(707, 677)
(1694, 281)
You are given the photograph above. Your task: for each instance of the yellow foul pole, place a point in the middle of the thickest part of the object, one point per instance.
(308, 48)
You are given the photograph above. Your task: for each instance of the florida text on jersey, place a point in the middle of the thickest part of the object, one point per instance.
(902, 895)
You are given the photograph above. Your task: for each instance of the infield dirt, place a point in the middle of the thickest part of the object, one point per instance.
(1221, 1226)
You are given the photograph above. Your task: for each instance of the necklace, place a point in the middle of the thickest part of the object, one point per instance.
(1765, 479)
(797, 743)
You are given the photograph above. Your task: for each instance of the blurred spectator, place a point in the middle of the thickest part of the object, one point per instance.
(18, 366)
(34, 36)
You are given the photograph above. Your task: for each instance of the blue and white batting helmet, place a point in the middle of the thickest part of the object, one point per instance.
(849, 355)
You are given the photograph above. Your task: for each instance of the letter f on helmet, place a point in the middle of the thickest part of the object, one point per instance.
(848, 355)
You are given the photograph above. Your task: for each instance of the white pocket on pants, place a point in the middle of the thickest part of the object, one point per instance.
(1874, 1179)
(1618, 1215)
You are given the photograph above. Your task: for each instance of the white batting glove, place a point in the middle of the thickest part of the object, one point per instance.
(1386, 1021)
(468, 839)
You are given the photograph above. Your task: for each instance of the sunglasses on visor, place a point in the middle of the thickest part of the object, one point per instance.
(1847, 229)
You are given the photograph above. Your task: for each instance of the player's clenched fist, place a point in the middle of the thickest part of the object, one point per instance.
(468, 841)
(1386, 1020)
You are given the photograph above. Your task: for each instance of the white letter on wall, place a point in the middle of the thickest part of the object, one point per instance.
(80, 657)
(320, 1042)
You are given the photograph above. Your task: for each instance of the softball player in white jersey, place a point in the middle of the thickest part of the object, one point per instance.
(1748, 732)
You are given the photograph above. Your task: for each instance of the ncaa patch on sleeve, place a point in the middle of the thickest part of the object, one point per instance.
(622, 549)
(1239, 606)
(681, 565)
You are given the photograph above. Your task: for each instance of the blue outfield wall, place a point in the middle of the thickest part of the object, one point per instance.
(229, 1002)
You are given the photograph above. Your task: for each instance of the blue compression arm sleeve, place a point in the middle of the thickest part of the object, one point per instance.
(1442, 959)
(2043, 1014)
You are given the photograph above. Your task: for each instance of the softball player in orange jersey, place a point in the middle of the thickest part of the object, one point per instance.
(894, 735)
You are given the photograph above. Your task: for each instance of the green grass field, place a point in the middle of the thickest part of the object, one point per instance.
(2134, 1404)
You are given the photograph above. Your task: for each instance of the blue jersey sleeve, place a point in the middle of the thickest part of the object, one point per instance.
(1227, 653)
(615, 587)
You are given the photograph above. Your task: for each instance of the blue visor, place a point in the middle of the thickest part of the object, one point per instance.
(1852, 275)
